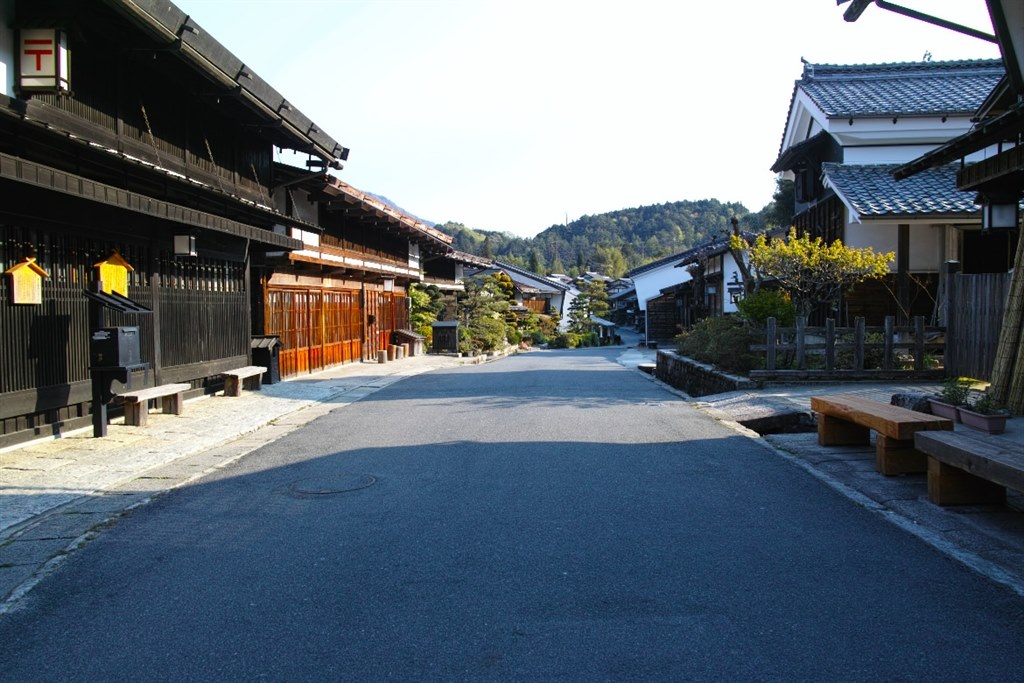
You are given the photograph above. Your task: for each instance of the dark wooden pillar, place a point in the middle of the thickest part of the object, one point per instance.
(154, 290)
(903, 273)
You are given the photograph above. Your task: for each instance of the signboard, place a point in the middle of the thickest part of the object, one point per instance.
(44, 61)
(113, 273)
(26, 281)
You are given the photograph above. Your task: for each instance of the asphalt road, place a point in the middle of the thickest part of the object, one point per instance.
(551, 516)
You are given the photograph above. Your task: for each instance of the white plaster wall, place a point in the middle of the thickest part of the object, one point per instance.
(566, 304)
(927, 249)
(649, 285)
(728, 269)
(881, 237)
(885, 154)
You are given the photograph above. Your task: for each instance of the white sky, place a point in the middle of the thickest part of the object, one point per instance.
(516, 115)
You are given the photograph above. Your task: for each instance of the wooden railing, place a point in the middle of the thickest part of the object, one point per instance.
(831, 352)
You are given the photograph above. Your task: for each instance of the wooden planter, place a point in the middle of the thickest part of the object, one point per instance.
(947, 410)
(993, 424)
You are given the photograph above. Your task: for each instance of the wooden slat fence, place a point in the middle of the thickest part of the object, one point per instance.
(974, 316)
(831, 352)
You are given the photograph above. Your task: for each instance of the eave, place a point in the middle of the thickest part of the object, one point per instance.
(173, 29)
(30, 173)
(1002, 128)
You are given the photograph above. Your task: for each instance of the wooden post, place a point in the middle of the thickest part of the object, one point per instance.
(858, 343)
(887, 359)
(801, 323)
(948, 485)
(154, 293)
(950, 270)
(919, 342)
(769, 362)
(903, 271)
(830, 344)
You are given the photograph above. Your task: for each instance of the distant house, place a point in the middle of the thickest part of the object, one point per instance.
(536, 293)
(720, 286)
(656, 310)
(343, 296)
(847, 129)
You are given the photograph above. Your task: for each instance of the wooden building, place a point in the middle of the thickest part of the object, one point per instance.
(343, 295)
(156, 145)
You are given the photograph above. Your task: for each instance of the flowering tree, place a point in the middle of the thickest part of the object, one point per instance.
(810, 270)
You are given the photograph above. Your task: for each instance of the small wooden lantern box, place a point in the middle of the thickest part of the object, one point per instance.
(113, 273)
(26, 281)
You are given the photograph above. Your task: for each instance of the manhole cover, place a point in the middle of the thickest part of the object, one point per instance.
(326, 486)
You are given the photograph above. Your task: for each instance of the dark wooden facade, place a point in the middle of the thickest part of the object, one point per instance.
(164, 133)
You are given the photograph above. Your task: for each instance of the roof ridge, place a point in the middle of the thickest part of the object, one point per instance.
(827, 69)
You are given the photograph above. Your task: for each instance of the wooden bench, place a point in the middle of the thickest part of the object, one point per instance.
(846, 419)
(234, 379)
(970, 467)
(136, 403)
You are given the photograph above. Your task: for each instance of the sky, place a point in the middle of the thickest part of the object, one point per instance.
(519, 115)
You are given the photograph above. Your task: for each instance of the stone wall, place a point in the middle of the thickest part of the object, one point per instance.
(697, 379)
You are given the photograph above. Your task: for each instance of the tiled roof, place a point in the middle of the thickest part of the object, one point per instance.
(904, 89)
(872, 191)
(668, 260)
(544, 284)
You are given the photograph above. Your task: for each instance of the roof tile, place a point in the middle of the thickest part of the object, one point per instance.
(871, 190)
(901, 89)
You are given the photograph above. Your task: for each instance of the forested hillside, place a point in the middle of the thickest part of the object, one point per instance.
(613, 243)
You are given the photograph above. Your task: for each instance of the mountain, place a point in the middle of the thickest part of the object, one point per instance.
(614, 242)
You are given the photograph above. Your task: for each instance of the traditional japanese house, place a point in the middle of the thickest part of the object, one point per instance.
(343, 296)
(849, 127)
(148, 157)
(535, 293)
(656, 312)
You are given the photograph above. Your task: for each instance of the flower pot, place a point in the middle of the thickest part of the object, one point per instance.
(942, 409)
(992, 423)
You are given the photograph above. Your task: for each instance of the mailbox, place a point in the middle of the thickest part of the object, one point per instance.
(115, 347)
(446, 336)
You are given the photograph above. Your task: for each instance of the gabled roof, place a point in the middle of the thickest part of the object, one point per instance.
(542, 283)
(900, 89)
(872, 192)
(660, 263)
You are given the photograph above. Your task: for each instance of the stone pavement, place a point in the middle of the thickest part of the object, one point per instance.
(988, 539)
(56, 495)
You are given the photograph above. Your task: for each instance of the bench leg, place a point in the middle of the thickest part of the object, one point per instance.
(232, 386)
(948, 485)
(256, 382)
(174, 404)
(136, 412)
(835, 432)
(897, 456)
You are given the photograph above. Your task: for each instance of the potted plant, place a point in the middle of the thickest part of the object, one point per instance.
(953, 395)
(985, 414)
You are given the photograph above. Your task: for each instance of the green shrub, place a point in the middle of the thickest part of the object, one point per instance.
(539, 338)
(722, 340)
(768, 303)
(566, 340)
(485, 334)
